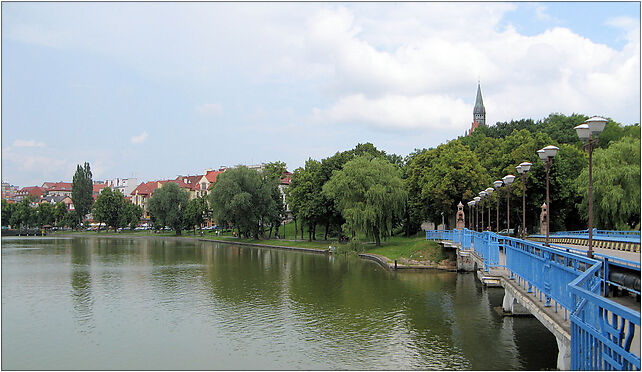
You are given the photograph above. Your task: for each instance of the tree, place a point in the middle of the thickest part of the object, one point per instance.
(110, 208)
(71, 219)
(7, 212)
(196, 212)
(438, 179)
(131, 214)
(616, 185)
(82, 190)
(244, 199)
(24, 214)
(369, 193)
(167, 205)
(45, 214)
(60, 211)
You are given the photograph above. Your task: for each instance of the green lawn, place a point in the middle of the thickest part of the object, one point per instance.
(417, 248)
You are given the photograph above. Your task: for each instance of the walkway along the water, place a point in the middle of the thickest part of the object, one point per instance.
(561, 289)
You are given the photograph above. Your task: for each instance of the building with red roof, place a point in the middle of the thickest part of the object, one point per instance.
(35, 191)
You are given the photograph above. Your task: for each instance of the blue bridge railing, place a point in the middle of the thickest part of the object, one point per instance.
(601, 330)
(633, 236)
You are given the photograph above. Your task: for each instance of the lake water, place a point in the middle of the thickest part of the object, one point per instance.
(145, 303)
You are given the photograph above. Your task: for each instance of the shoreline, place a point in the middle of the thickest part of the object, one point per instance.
(383, 261)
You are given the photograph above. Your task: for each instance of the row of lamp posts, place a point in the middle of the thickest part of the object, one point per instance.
(588, 132)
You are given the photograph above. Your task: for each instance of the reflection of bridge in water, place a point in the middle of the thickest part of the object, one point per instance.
(563, 289)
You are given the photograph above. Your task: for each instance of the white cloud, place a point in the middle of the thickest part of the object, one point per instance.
(140, 138)
(27, 143)
(210, 109)
(424, 112)
(407, 83)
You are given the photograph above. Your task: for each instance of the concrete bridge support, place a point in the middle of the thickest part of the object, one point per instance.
(521, 301)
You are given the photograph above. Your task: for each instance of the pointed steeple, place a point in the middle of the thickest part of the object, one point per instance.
(479, 102)
(479, 112)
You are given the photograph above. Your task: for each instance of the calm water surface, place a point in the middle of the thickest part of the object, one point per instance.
(137, 303)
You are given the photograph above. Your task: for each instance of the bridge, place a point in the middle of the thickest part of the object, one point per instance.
(565, 290)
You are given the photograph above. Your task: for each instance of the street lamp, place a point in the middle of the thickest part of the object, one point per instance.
(523, 168)
(497, 185)
(589, 133)
(482, 194)
(489, 192)
(546, 155)
(470, 219)
(508, 180)
(477, 199)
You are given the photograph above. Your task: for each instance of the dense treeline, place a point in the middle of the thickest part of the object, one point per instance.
(435, 180)
(364, 191)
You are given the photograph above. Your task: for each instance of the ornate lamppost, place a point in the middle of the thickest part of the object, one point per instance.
(489, 192)
(507, 181)
(482, 194)
(589, 133)
(522, 169)
(546, 155)
(497, 185)
(477, 199)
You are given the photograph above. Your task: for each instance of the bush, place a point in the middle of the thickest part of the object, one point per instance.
(354, 246)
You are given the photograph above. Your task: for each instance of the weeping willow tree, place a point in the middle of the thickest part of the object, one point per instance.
(616, 185)
(369, 193)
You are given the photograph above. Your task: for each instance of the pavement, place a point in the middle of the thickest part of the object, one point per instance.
(631, 256)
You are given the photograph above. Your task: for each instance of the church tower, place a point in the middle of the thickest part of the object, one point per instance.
(479, 112)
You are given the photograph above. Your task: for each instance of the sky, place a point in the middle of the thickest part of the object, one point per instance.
(157, 90)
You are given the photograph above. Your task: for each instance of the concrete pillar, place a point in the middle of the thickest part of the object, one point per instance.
(507, 304)
(563, 353)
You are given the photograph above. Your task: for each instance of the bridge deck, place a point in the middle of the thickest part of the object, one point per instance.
(631, 256)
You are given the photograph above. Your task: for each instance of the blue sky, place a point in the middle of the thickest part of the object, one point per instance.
(153, 90)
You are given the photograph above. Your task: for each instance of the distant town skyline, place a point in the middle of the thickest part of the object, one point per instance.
(156, 90)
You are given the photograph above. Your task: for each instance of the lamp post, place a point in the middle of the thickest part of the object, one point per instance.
(508, 180)
(589, 133)
(470, 225)
(482, 194)
(477, 199)
(546, 155)
(489, 192)
(522, 169)
(497, 185)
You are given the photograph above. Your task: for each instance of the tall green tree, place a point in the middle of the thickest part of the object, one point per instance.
(243, 198)
(45, 214)
(110, 208)
(196, 212)
(369, 193)
(7, 212)
(616, 186)
(24, 214)
(81, 191)
(60, 211)
(131, 215)
(168, 204)
(438, 179)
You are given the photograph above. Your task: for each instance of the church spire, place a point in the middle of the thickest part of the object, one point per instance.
(479, 112)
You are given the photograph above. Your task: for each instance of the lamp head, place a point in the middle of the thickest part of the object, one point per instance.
(477, 199)
(498, 184)
(542, 155)
(482, 193)
(596, 125)
(526, 166)
(489, 190)
(508, 179)
(551, 151)
(519, 169)
(583, 131)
